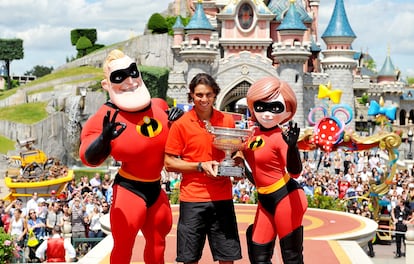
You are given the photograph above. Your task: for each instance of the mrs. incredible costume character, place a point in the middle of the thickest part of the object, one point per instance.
(274, 159)
(133, 129)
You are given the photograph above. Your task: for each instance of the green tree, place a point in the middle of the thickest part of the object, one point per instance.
(157, 24)
(85, 41)
(82, 45)
(39, 71)
(10, 49)
(370, 64)
(410, 81)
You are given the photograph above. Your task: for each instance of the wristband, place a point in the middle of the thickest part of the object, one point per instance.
(199, 167)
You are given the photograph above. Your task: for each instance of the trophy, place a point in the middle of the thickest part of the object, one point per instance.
(230, 140)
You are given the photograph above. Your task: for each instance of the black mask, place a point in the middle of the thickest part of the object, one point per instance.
(273, 107)
(119, 76)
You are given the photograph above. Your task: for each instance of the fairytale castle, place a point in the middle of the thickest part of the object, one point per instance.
(241, 41)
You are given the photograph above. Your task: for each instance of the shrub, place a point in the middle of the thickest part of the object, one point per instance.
(8, 248)
(157, 24)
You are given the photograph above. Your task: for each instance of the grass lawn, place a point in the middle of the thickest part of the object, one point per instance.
(6, 145)
(25, 113)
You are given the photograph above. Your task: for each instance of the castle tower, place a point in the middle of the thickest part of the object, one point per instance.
(199, 49)
(388, 73)
(245, 26)
(338, 61)
(291, 53)
(177, 86)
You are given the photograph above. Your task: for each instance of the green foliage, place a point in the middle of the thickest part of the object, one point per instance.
(6, 145)
(157, 24)
(94, 47)
(170, 20)
(8, 248)
(89, 33)
(90, 173)
(175, 196)
(14, 83)
(82, 45)
(29, 113)
(6, 93)
(39, 71)
(364, 99)
(370, 64)
(11, 49)
(410, 80)
(156, 80)
(72, 72)
(325, 202)
(84, 40)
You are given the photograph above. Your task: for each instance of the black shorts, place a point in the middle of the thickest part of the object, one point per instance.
(217, 220)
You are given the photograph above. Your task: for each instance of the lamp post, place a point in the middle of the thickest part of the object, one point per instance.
(410, 141)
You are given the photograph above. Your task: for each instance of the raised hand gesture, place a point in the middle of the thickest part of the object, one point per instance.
(100, 148)
(111, 129)
(291, 135)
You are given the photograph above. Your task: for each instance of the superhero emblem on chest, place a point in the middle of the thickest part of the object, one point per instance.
(149, 127)
(256, 143)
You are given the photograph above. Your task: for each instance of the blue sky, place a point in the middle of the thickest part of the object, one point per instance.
(45, 25)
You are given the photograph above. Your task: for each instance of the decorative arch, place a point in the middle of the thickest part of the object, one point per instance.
(402, 117)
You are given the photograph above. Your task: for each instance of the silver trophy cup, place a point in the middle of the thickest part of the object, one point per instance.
(230, 140)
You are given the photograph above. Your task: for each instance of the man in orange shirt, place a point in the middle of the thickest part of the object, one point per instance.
(206, 205)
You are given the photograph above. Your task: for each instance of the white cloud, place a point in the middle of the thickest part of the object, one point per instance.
(381, 27)
(45, 25)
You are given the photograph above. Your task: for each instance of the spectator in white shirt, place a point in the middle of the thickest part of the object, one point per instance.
(32, 203)
(95, 182)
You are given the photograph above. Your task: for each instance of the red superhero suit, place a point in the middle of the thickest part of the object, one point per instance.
(274, 160)
(133, 130)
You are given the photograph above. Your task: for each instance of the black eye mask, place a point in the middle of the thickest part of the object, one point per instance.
(119, 76)
(273, 107)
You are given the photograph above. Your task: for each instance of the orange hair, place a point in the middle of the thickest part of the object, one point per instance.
(269, 88)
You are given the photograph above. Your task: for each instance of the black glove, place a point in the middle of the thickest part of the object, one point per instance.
(100, 149)
(174, 113)
(290, 136)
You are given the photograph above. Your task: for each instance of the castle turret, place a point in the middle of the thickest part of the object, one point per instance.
(291, 53)
(199, 49)
(338, 59)
(245, 26)
(176, 80)
(388, 73)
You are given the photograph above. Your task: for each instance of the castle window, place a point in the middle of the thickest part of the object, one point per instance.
(245, 16)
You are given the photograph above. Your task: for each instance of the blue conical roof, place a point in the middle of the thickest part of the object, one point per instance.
(278, 8)
(178, 23)
(338, 25)
(292, 20)
(314, 47)
(199, 19)
(388, 68)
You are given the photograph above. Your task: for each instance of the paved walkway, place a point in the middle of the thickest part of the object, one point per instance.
(323, 233)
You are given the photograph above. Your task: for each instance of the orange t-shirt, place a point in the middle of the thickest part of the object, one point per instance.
(189, 139)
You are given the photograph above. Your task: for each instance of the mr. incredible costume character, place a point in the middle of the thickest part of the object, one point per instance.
(133, 129)
(273, 156)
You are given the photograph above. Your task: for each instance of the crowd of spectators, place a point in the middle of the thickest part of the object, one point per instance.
(76, 211)
(339, 175)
